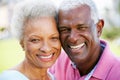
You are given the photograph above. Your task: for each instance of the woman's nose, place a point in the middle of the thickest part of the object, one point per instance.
(45, 47)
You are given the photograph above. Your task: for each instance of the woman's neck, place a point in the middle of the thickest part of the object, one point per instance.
(33, 72)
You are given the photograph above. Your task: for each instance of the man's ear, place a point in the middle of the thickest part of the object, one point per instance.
(100, 26)
(22, 43)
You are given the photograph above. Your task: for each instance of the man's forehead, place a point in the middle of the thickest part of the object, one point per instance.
(78, 8)
(78, 11)
(80, 15)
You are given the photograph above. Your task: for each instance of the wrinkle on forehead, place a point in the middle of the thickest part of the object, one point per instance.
(81, 13)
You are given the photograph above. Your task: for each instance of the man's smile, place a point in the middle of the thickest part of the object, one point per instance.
(77, 46)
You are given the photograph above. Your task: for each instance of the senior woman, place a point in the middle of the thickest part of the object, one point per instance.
(34, 23)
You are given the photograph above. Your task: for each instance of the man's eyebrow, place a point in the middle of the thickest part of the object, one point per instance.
(80, 24)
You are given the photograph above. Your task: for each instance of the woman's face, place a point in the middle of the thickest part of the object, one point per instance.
(41, 42)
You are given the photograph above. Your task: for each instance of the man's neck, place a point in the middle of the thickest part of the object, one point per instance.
(89, 66)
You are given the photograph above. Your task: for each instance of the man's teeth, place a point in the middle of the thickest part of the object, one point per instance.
(78, 46)
(46, 56)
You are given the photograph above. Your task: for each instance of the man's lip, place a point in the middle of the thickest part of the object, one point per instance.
(77, 49)
(77, 46)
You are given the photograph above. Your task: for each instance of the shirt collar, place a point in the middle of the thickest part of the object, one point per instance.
(104, 64)
(73, 65)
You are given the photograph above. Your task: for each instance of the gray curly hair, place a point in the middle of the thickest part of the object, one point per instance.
(29, 10)
(71, 4)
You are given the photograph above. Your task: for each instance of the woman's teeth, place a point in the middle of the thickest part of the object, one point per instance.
(46, 56)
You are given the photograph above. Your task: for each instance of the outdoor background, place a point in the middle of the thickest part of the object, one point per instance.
(11, 52)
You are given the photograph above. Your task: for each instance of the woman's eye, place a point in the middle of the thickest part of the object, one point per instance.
(34, 40)
(55, 38)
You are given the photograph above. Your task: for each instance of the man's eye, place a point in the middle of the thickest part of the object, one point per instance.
(82, 28)
(64, 30)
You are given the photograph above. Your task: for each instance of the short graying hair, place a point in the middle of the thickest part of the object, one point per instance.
(29, 10)
(71, 4)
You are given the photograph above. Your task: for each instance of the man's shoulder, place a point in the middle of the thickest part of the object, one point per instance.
(62, 64)
(116, 65)
(114, 73)
(63, 59)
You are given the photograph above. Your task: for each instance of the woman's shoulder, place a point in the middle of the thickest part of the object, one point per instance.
(12, 75)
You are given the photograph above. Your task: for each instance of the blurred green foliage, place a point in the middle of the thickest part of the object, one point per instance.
(11, 53)
(2, 29)
(111, 33)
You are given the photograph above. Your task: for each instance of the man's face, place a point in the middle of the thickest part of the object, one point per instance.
(78, 34)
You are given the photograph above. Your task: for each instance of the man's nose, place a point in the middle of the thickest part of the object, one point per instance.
(73, 36)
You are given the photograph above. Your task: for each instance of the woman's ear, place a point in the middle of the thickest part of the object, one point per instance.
(22, 43)
(100, 26)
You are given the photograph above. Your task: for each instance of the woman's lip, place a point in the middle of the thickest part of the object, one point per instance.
(46, 58)
(49, 56)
